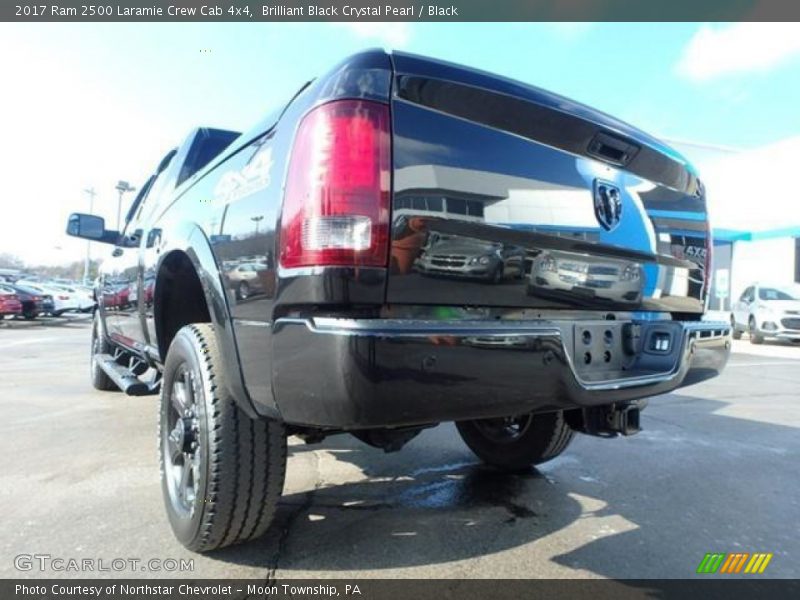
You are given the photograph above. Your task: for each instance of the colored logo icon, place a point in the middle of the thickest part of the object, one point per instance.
(734, 562)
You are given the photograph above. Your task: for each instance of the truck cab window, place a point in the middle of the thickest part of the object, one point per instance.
(207, 144)
(138, 201)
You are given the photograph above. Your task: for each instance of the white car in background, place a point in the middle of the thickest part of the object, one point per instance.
(767, 311)
(63, 299)
(83, 296)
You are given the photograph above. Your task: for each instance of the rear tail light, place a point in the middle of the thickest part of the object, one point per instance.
(336, 200)
(63, 297)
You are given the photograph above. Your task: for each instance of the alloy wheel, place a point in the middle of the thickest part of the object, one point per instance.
(181, 443)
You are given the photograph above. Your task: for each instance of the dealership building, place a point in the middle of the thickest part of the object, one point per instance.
(755, 215)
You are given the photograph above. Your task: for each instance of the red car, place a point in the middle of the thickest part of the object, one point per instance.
(149, 288)
(117, 295)
(9, 303)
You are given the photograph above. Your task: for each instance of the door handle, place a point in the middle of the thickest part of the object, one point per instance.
(117, 252)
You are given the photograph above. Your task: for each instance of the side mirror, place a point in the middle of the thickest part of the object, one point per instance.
(90, 227)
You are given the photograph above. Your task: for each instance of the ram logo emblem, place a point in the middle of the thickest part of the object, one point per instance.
(607, 204)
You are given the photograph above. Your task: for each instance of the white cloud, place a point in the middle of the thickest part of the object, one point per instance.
(748, 189)
(389, 35)
(570, 31)
(743, 47)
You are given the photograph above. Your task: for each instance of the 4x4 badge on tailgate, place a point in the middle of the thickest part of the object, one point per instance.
(607, 204)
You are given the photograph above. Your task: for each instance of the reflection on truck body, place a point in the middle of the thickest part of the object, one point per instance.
(454, 256)
(576, 275)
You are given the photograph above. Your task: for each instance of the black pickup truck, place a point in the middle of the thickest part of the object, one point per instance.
(406, 242)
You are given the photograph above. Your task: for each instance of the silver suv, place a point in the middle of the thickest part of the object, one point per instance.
(765, 310)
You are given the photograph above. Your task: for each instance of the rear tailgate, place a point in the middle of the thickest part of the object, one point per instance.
(506, 195)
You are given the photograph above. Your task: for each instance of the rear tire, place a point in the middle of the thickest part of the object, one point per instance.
(100, 345)
(517, 443)
(221, 471)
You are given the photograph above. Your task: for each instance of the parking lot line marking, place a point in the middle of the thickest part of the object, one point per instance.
(36, 341)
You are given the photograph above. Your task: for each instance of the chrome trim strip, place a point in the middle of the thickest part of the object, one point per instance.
(424, 328)
(251, 323)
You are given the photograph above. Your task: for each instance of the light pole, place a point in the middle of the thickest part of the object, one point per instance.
(122, 187)
(257, 220)
(91, 193)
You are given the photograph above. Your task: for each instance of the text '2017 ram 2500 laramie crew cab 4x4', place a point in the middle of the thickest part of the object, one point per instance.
(420, 242)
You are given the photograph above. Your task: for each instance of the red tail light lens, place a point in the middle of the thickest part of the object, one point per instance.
(336, 200)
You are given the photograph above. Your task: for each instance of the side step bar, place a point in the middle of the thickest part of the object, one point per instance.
(123, 378)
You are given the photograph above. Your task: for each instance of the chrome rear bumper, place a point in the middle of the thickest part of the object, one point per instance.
(359, 373)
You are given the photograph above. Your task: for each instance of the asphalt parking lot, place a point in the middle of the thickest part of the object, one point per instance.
(715, 470)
